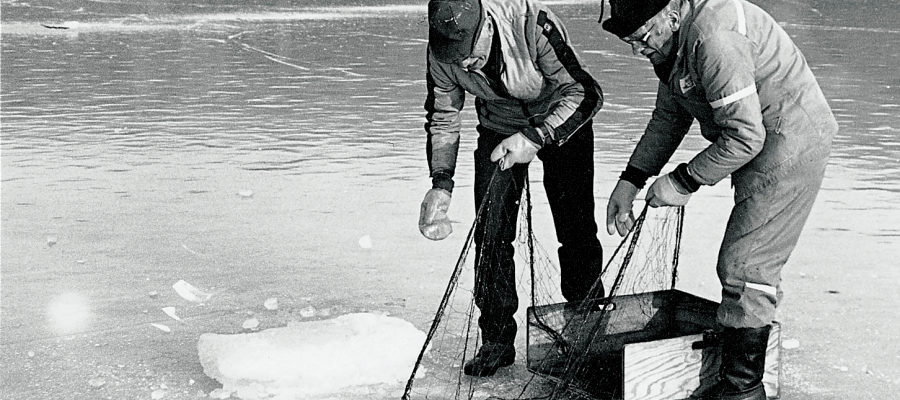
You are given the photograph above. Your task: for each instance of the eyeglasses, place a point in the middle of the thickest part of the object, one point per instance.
(641, 44)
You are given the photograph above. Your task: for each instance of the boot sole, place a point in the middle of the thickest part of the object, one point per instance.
(484, 372)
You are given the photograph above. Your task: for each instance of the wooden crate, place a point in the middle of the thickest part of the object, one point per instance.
(647, 346)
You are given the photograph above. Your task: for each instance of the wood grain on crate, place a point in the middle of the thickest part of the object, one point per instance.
(670, 369)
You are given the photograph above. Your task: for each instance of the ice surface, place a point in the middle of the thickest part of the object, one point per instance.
(313, 359)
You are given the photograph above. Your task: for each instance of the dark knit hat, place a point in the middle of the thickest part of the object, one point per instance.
(627, 16)
(453, 27)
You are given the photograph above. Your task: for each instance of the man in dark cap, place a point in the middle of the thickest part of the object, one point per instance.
(534, 98)
(731, 67)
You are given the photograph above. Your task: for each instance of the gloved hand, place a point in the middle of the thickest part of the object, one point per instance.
(433, 221)
(619, 216)
(516, 149)
(666, 192)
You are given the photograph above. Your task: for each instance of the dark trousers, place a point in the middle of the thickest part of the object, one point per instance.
(569, 183)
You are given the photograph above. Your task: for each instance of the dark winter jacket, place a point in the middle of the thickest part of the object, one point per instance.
(545, 91)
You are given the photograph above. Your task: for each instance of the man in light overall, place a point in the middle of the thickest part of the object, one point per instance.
(728, 65)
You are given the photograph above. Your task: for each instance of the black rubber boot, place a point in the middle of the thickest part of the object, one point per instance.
(489, 359)
(743, 364)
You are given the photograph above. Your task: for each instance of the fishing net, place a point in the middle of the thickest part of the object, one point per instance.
(564, 350)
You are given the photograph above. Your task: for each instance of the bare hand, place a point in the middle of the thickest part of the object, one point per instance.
(619, 215)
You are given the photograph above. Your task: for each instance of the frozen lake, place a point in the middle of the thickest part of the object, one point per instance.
(249, 149)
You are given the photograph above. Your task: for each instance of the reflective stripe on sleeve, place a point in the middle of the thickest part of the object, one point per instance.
(740, 94)
(763, 288)
(742, 19)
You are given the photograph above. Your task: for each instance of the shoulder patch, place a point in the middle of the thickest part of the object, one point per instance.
(686, 84)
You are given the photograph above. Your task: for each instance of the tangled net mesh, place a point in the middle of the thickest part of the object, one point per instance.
(564, 350)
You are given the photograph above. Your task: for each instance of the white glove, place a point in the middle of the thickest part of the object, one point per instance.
(619, 216)
(433, 221)
(516, 149)
(665, 192)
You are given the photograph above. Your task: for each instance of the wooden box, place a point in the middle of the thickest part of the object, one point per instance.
(647, 346)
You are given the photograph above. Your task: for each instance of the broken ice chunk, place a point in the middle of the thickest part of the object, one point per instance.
(308, 312)
(313, 359)
(251, 323)
(170, 311)
(189, 292)
(96, 382)
(365, 242)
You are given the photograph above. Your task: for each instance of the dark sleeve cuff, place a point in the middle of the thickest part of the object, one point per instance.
(681, 175)
(442, 180)
(533, 135)
(636, 176)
